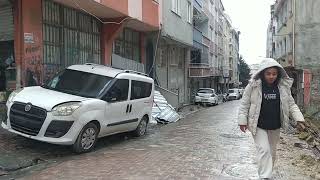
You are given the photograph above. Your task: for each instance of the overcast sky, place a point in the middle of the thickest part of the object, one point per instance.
(251, 17)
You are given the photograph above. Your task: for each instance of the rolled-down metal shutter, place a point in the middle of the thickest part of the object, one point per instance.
(6, 23)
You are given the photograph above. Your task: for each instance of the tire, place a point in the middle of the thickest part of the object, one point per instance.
(87, 139)
(142, 128)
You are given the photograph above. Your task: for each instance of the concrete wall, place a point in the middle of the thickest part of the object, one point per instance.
(171, 69)
(308, 34)
(29, 54)
(307, 47)
(177, 26)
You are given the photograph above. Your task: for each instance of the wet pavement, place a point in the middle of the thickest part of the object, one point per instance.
(203, 145)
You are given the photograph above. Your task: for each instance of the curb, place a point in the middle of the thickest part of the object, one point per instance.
(185, 115)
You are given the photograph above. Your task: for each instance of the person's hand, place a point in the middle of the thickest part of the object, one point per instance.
(301, 126)
(243, 128)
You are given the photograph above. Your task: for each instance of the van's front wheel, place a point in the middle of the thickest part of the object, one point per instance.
(142, 127)
(87, 138)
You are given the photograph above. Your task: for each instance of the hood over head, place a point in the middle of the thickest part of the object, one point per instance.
(268, 63)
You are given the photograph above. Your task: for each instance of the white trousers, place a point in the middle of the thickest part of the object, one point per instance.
(266, 143)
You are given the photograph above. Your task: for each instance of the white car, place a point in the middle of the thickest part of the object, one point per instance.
(206, 96)
(234, 94)
(80, 104)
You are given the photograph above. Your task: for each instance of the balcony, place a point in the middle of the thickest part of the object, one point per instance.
(203, 70)
(206, 41)
(197, 4)
(199, 70)
(199, 13)
(214, 71)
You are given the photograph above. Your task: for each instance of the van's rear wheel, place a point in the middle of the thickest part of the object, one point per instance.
(87, 138)
(142, 127)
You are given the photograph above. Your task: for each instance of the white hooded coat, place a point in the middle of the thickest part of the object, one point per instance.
(249, 110)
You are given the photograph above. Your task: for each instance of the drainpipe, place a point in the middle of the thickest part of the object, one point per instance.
(294, 34)
(21, 37)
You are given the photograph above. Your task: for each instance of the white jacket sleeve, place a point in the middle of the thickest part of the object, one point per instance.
(244, 106)
(294, 110)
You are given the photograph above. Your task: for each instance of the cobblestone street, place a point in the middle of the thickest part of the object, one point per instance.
(204, 145)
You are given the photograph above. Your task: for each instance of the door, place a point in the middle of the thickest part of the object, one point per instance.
(140, 101)
(116, 112)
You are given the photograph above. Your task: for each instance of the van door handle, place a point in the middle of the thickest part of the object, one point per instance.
(127, 108)
(130, 108)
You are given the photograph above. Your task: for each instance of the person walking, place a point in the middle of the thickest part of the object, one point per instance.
(265, 107)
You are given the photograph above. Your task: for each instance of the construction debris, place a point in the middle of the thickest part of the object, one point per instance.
(162, 111)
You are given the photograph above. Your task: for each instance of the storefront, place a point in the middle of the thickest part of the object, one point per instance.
(7, 65)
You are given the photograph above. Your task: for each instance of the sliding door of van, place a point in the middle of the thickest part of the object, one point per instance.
(140, 100)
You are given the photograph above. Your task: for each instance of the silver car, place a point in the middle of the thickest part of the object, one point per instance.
(206, 96)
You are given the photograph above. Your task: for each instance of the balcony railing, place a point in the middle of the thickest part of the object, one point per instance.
(199, 70)
(206, 41)
(212, 48)
(203, 70)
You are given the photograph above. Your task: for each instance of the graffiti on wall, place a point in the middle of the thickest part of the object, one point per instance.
(51, 70)
(33, 64)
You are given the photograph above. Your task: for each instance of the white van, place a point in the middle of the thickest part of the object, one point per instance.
(80, 104)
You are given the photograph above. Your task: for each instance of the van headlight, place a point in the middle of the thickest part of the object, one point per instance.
(65, 109)
(12, 95)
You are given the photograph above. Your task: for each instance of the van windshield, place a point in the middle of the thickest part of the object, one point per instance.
(231, 91)
(78, 83)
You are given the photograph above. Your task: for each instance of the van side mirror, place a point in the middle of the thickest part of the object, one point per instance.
(110, 97)
(107, 98)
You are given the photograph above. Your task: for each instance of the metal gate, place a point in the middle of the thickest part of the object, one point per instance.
(70, 37)
(6, 21)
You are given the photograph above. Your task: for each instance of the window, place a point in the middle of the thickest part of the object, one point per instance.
(176, 6)
(189, 12)
(127, 45)
(78, 83)
(140, 90)
(69, 37)
(119, 90)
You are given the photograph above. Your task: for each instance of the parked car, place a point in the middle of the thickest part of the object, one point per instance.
(206, 96)
(233, 94)
(80, 104)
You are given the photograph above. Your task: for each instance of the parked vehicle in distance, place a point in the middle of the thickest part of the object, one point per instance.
(233, 94)
(206, 96)
(81, 104)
